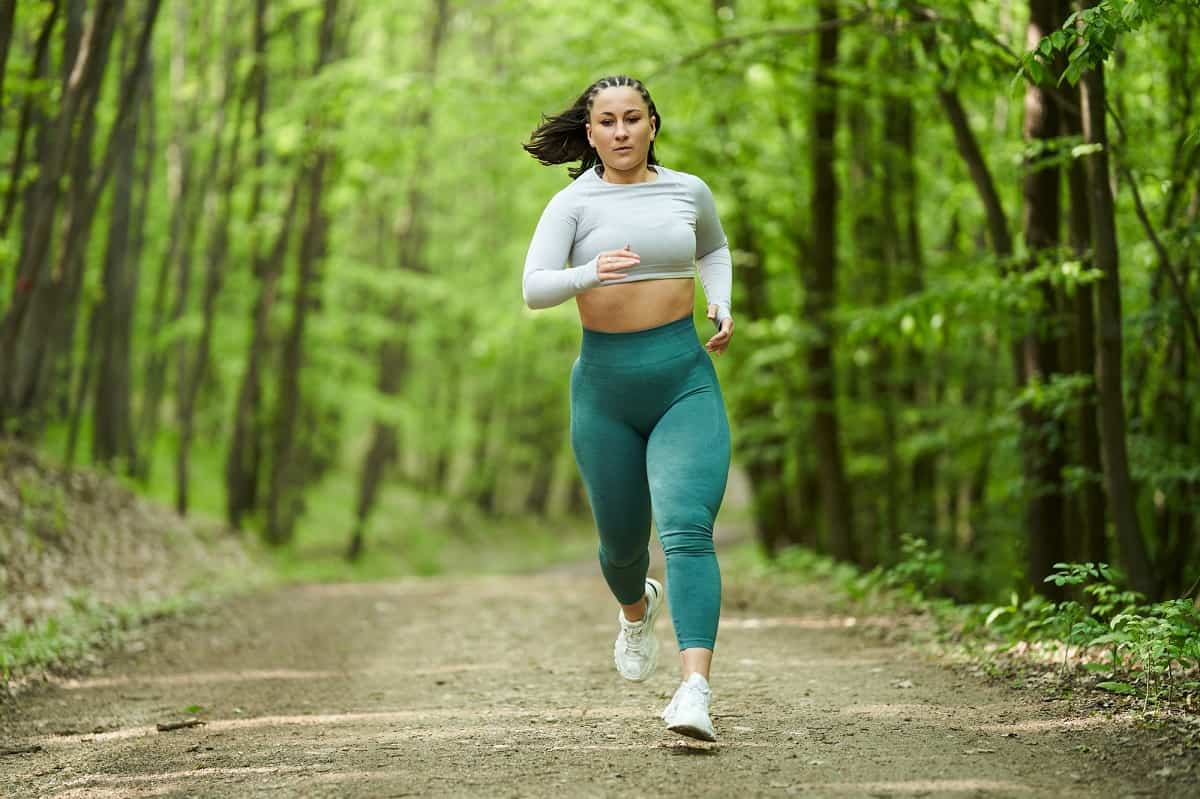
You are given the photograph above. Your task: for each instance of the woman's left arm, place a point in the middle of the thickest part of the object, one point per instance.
(715, 265)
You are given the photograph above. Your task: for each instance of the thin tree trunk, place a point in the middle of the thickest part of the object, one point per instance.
(182, 229)
(26, 122)
(1121, 495)
(192, 377)
(8, 12)
(916, 383)
(288, 464)
(112, 427)
(112, 416)
(820, 297)
(1090, 496)
(243, 462)
(873, 223)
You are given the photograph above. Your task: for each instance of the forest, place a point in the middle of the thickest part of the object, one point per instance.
(262, 259)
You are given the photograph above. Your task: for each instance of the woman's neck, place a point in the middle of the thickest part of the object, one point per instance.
(640, 174)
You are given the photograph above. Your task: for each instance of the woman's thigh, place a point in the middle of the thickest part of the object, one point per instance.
(687, 455)
(611, 456)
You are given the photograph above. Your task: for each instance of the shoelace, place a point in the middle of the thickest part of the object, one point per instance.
(635, 639)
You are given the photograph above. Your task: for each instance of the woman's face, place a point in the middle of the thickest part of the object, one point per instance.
(621, 127)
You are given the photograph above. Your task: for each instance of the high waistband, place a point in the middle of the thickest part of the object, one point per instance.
(640, 347)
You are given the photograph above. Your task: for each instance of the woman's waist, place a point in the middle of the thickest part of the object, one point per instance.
(631, 350)
(627, 306)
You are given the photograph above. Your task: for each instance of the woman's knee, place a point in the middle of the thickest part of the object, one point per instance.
(687, 540)
(623, 557)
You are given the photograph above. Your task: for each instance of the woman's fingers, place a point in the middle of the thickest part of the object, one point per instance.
(720, 341)
(611, 262)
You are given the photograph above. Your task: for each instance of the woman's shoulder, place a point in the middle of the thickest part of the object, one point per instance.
(694, 183)
(569, 196)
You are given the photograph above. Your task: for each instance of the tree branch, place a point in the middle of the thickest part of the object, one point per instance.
(1164, 258)
(732, 41)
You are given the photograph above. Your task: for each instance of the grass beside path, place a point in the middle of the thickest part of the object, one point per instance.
(87, 564)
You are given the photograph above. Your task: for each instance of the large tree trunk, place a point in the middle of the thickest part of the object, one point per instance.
(819, 297)
(1121, 495)
(1042, 435)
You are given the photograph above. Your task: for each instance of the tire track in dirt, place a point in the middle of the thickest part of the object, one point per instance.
(505, 687)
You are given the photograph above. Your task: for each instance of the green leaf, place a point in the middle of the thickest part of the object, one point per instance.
(995, 614)
(1123, 688)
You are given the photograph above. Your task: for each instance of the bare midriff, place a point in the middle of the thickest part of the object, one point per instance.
(642, 304)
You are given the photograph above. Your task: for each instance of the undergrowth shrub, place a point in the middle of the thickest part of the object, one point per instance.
(1140, 648)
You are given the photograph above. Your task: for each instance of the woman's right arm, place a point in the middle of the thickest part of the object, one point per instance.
(545, 282)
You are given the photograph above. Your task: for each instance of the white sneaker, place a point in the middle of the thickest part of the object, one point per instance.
(636, 649)
(688, 712)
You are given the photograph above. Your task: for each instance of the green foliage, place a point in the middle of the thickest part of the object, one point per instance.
(1091, 36)
(1148, 649)
(86, 627)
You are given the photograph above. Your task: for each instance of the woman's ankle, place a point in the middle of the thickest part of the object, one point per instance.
(635, 612)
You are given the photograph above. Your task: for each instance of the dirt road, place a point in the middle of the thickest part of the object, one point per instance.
(505, 687)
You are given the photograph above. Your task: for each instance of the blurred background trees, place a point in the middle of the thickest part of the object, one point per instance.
(263, 259)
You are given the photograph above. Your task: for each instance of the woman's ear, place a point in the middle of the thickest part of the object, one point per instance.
(587, 128)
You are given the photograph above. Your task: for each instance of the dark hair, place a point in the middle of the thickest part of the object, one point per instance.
(562, 138)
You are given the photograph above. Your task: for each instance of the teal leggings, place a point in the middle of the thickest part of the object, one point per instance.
(649, 431)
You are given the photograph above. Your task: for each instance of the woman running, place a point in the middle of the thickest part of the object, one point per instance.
(648, 424)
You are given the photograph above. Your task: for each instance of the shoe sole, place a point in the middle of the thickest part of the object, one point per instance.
(652, 618)
(692, 731)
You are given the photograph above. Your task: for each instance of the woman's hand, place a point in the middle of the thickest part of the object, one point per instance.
(610, 263)
(717, 344)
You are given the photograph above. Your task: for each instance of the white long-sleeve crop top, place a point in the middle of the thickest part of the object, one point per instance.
(668, 222)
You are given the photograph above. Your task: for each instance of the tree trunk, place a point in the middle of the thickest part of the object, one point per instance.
(916, 383)
(819, 297)
(192, 378)
(243, 462)
(112, 420)
(8, 12)
(41, 51)
(183, 194)
(1042, 435)
(1121, 495)
(289, 467)
(1092, 539)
